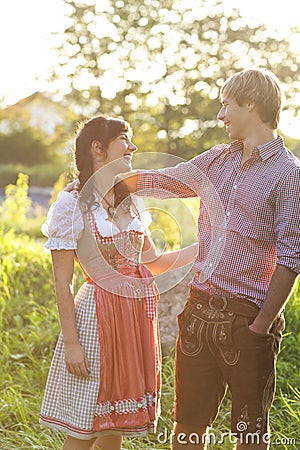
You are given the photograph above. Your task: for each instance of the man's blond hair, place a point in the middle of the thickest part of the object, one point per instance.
(259, 86)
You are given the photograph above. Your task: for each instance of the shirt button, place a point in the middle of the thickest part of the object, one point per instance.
(235, 186)
(220, 239)
(228, 213)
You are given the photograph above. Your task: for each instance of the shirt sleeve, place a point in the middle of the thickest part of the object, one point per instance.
(182, 181)
(288, 222)
(64, 223)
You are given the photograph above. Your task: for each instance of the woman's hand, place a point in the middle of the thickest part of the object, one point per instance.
(72, 186)
(76, 360)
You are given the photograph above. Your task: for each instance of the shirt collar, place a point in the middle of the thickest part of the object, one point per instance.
(236, 146)
(270, 148)
(265, 151)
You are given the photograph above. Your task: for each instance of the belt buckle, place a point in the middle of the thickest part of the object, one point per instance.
(217, 307)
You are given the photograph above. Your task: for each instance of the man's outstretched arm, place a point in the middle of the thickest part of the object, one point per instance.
(181, 181)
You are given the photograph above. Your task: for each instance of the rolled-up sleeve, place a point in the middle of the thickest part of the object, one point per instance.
(288, 222)
(182, 181)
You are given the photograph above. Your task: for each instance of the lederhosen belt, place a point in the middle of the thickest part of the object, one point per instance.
(236, 305)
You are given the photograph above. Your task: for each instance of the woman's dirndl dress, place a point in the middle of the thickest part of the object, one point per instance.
(117, 327)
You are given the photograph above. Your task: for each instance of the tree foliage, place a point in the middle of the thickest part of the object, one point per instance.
(161, 63)
(34, 131)
(25, 146)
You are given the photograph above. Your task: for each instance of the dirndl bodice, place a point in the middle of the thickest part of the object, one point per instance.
(119, 255)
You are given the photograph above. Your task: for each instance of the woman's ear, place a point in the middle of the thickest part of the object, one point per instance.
(98, 155)
(96, 147)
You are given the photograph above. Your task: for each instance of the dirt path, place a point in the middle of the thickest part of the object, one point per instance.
(170, 304)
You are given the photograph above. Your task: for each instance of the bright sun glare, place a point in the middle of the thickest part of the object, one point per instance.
(25, 33)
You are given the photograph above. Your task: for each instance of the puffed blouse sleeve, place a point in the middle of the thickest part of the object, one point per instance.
(64, 223)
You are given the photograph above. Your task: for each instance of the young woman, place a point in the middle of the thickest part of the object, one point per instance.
(104, 381)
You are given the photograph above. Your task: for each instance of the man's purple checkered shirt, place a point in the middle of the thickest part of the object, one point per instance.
(261, 202)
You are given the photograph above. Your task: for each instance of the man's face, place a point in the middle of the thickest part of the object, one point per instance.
(235, 118)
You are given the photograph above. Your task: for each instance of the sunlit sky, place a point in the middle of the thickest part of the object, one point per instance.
(25, 36)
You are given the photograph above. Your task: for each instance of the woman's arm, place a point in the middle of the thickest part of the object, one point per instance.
(127, 180)
(63, 270)
(158, 264)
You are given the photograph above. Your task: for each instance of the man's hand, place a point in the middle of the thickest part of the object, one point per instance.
(257, 330)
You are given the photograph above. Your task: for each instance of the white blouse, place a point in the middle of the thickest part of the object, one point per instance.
(64, 223)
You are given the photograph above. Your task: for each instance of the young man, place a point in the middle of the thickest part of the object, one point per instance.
(231, 326)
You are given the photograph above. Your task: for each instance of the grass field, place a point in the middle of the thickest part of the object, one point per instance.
(29, 329)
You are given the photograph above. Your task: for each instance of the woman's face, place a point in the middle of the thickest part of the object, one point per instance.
(121, 150)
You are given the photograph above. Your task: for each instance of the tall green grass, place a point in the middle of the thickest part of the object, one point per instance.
(17, 211)
(29, 329)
